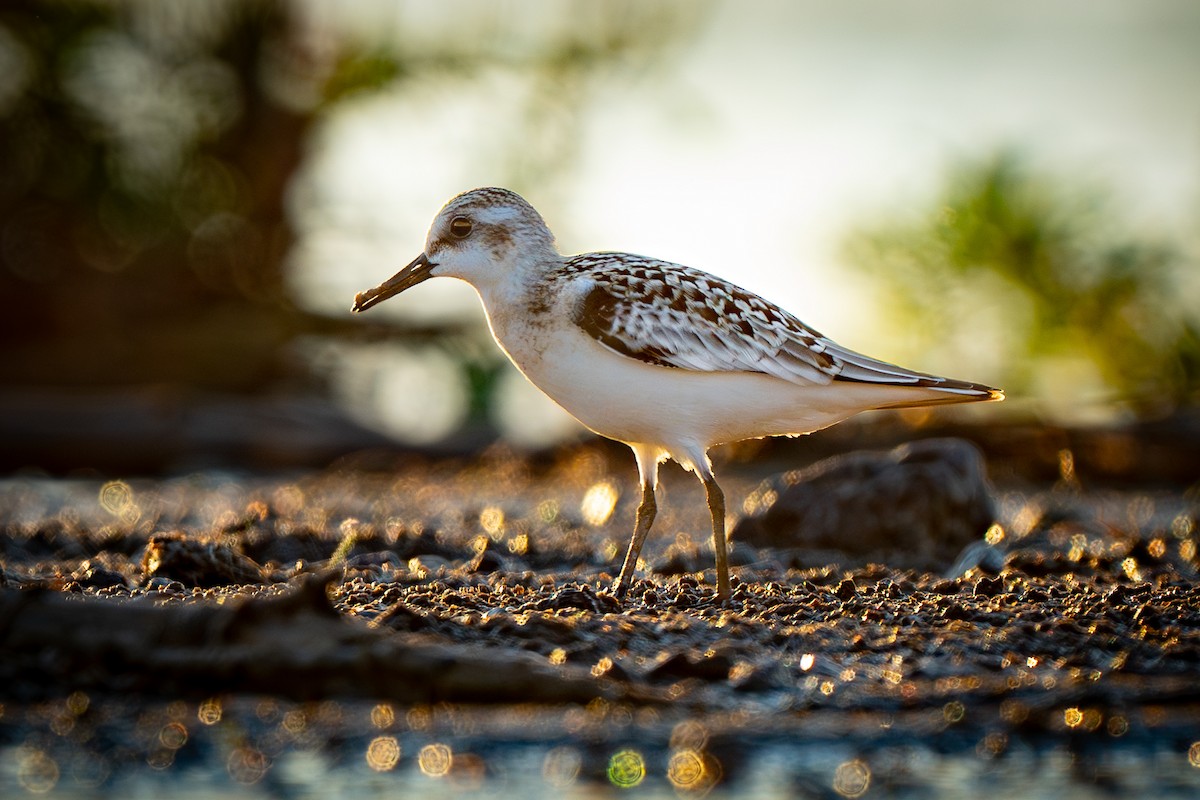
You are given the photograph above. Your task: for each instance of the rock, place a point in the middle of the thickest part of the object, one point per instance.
(846, 590)
(581, 597)
(921, 502)
(96, 576)
(195, 562)
(708, 666)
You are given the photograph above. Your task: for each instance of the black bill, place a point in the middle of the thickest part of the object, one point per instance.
(416, 272)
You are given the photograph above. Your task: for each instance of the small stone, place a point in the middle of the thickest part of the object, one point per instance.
(988, 587)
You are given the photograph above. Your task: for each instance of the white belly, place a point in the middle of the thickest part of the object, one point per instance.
(675, 409)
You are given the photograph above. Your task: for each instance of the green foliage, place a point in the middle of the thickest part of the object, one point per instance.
(1038, 276)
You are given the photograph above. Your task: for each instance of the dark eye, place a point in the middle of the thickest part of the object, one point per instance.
(460, 227)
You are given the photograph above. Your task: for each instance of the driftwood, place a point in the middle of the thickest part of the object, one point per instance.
(294, 645)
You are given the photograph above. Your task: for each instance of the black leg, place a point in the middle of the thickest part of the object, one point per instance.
(716, 507)
(645, 518)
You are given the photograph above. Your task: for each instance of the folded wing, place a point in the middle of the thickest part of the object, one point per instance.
(675, 316)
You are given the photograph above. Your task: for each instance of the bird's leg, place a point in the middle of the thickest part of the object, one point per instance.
(645, 518)
(716, 507)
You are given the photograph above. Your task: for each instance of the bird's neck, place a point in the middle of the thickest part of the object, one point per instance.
(520, 284)
(516, 306)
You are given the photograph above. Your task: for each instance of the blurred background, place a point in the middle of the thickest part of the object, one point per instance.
(191, 193)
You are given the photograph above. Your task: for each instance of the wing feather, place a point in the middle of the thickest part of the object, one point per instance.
(675, 316)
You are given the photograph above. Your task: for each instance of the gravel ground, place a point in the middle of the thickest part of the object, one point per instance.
(445, 625)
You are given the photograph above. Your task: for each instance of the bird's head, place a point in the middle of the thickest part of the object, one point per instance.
(484, 237)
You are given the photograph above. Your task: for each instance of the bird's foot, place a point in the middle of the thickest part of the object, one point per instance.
(619, 589)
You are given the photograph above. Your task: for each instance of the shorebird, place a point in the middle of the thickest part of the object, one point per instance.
(668, 359)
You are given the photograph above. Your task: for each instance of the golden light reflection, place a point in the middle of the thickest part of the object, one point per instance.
(383, 753)
(1066, 468)
(558, 656)
(598, 503)
(1025, 519)
(209, 712)
(953, 712)
(995, 534)
(852, 778)
(626, 769)
(435, 759)
(491, 519)
(37, 772)
(116, 497)
(806, 661)
(560, 768)
(1130, 567)
(247, 765)
(1194, 755)
(383, 716)
(760, 499)
(693, 771)
(1073, 717)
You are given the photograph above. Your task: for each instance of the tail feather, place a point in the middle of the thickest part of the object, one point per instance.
(857, 368)
(958, 392)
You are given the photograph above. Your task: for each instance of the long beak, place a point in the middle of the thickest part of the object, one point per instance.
(410, 276)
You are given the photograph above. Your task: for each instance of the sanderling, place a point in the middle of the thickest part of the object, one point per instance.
(665, 358)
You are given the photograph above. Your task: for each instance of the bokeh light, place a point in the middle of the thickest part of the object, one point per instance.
(247, 765)
(383, 753)
(561, 766)
(598, 503)
(693, 772)
(383, 715)
(435, 760)
(852, 778)
(209, 712)
(116, 497)
(173, 735)
(37, 772)
(626, 768)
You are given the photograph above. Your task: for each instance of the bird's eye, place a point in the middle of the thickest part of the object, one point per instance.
(460, 227)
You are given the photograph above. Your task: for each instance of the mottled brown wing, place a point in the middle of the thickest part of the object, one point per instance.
(675, 316)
